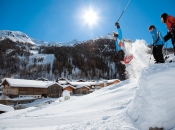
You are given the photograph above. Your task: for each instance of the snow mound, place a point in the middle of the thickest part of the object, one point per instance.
(15, 36)
(6, 108)
(66, 93)
(153, 103)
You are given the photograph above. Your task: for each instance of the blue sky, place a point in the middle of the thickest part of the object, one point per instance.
(61, 20)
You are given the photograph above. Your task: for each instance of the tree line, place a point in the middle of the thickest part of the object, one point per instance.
(83, 60)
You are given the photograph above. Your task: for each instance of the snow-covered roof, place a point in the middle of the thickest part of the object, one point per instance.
(62, 82)
(29, 83)
(22, 98)
(109, 81)
(81, 80)
(6, 108)
(80, 86)
(84, 83)
(42, 79)
(65, 86)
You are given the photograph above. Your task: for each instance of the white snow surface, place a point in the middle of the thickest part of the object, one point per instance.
(66, 93)
(143, 101)
(28, 83)
(154, 100)
(48, 58)
(6, 108)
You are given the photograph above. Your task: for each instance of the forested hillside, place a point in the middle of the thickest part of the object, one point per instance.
(83, 60)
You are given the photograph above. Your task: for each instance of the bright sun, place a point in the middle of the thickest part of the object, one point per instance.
(90, 17)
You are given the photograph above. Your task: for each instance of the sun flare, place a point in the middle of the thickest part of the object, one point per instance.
(90, 17)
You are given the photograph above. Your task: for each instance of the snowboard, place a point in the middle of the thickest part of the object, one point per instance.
(127, 59)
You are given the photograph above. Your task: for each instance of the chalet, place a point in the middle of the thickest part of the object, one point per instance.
(89, 84)
(70, 88)
(105, 83)
(32, 88)
(81, 89)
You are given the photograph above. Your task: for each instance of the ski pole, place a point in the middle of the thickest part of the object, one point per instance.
(166, 51)
(123, 10)
(106, 46)
(117, 21)
(151, 54)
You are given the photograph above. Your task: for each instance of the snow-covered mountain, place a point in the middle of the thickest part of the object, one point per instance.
(24, 38)
(15, 36)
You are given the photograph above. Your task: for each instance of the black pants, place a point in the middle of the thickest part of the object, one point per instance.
(157, 54)
(171, 35)
(119, 56)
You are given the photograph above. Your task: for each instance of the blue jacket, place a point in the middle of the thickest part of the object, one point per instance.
(118, 39)
(157, 37)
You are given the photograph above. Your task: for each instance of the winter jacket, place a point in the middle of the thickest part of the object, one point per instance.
(118, 41)
(170, 22)
(157, 37)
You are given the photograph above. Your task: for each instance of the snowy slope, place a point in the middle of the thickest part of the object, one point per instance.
(143, 101)
(154, 102)
(15, 36)
(90, 111)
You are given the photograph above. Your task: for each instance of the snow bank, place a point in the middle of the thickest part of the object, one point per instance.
(66, 93)
(6, 108)
(154, 101)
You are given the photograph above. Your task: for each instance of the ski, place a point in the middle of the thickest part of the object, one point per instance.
(127, 59)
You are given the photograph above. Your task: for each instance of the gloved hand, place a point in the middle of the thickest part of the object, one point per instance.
(117, 24)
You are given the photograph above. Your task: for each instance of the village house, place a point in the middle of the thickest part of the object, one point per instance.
(32, 88)
(81, 90)
(89, 84)
(106, 83)
(69, 87)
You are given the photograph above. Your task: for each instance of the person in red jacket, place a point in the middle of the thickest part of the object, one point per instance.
(170, 23)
